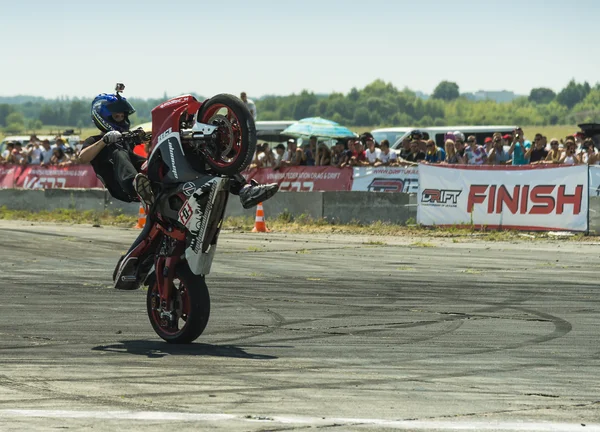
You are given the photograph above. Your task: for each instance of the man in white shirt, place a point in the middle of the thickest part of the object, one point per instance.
(250, 104)
(373, 154)
(34, 152)
(46, 152)
(387, 157)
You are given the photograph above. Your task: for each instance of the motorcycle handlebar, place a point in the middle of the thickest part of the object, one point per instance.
(134, 137)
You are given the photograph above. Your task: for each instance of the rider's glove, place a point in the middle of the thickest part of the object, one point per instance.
(111, 137)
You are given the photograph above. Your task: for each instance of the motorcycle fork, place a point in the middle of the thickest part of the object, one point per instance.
(165, 267)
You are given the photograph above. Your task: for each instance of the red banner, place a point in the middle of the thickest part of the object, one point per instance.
(8, 175)
(305, 178)
(75, 176)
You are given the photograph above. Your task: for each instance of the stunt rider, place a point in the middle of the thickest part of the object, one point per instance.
(119, 168)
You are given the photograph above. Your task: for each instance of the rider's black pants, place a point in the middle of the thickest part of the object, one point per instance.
(126, 167)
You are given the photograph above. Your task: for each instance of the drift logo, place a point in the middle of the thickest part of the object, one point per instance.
(172, 101)
(163, 135)
(440, 197)
(172, 154)
(536, 200)
(386, 185)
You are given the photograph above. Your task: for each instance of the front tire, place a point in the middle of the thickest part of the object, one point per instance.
(190, 308)
(236, 133)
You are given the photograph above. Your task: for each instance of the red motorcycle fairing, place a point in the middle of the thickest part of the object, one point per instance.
(166, 141)
(168, 114)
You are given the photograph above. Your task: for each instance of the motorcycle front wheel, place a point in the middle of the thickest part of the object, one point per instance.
(184, 320)
(236, 133)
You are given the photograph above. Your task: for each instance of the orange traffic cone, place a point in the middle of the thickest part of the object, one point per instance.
(259, 223)
(141, 217)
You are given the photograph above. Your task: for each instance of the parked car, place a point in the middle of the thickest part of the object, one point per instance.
(397, 134)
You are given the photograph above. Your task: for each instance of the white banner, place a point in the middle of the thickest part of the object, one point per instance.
(386, 179)
(520, 197)
(594, 180)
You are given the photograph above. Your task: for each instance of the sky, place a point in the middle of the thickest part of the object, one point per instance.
(79, 48)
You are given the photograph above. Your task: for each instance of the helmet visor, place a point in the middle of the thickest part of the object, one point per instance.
(120, 106)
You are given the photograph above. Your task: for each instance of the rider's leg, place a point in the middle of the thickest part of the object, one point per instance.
(124, 171)
(251, 193)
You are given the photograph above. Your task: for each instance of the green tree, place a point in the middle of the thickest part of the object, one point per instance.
(541, 95)
(5, 110)
(15, 118)
(572, 94)
(446, 90)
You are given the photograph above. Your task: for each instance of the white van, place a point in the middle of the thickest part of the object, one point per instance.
(270, 131)
(396, 135)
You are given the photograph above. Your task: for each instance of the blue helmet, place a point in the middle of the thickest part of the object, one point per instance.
(104, 105)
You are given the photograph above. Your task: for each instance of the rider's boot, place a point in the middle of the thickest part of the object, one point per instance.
(143, 187)
(252, 193)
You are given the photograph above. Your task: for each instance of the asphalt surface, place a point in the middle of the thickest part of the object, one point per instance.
(307, 332)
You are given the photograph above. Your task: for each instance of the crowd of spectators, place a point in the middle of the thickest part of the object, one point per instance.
(498, 149)
(508, 149)
(40, 152)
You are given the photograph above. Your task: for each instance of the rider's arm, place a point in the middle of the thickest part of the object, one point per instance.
(90, 152)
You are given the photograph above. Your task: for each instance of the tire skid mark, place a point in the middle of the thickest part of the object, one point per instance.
(30, 388)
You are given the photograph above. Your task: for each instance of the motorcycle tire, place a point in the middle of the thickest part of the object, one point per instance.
(236, 133)
(193, 311)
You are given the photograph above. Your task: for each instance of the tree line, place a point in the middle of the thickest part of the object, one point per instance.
(377, 104)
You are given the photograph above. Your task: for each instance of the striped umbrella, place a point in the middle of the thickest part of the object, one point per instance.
(317, 126)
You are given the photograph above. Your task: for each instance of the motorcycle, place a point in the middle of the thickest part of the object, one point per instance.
(195, 148)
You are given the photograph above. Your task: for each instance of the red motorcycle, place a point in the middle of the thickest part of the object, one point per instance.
(195, 148)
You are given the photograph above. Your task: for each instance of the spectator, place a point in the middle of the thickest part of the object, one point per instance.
(6, 154)
(249, 104)
(59, 142)
(498, 156)
(295, 155)
(257, 153)
(34, 153)
(372, 153)
(554, 154)
(348, 153)
(310, 149)
(587, 155)
(17, 156)
(519, 147)
(569, 157)
(537, 153)
(387, 157)
(474, 153)
(279, 155)
(434, 154)
(417, 135)
(359, 157)
(452, 157)
(59, 157)
(415, 155)
(405, 150)
(337, 154)
(488, 144)
(266, 159)
(323, 155)
(459, 142)
(46, 152)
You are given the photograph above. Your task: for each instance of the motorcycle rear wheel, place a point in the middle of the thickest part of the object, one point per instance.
(191, 307)
(236, 133)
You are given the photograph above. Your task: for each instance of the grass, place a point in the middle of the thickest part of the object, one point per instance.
(422, 244)
(306, 226)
